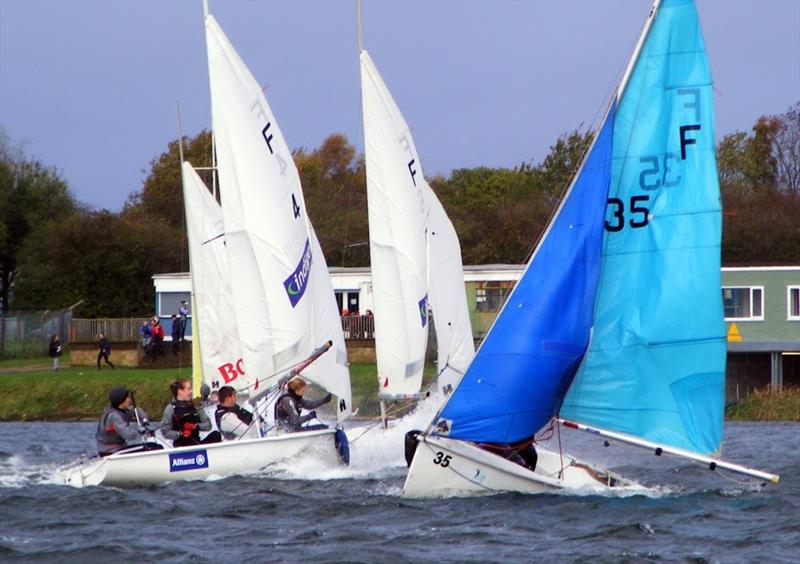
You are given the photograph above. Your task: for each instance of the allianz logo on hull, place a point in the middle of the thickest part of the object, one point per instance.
(191, 460)
(298, 280)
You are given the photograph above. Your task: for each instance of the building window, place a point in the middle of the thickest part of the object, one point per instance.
(170, 302)
(793, 303)
(742, 303)
(491, 295)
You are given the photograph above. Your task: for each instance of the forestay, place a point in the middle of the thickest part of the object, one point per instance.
(215, 321)
(528, 358)
(656, 364)
(284, 301)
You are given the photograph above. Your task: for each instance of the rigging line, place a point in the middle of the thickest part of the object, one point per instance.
(212, 239)
(258, 414)
(560, 452)
(378, 420)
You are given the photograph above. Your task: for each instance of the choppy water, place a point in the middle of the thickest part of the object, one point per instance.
(357, 514)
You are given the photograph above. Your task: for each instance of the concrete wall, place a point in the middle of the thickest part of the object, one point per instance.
(360, 350)
(122, 354)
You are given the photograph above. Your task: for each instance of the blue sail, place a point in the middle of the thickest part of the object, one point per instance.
(656, 364)
(521, 371)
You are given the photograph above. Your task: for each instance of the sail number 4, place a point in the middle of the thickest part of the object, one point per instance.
(442, 460)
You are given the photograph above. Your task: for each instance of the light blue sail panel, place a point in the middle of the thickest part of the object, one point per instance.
(656, 364)
(520, 373)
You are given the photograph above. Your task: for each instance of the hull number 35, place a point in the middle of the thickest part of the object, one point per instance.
(442, 460)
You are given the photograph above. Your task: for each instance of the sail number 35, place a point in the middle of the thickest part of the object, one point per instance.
(442, 460)
(637, 211)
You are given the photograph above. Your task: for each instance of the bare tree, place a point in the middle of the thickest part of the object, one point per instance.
(786, 147)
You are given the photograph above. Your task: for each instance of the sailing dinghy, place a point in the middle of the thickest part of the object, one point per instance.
(282, 297)
(616, 325)
(415, 256)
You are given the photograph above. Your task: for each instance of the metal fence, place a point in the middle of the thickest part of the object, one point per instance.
(358, 326)
(27, 333)
(127, 329)
(119, 330)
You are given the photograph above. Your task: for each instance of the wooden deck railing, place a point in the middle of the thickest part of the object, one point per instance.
(119, 330)
(126, 329)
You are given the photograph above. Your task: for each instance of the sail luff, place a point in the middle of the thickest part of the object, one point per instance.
(635, 56)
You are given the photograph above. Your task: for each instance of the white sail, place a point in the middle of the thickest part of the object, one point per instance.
(398, 211)
(213, 313)
(414, 250)
(280, 280)
(448, 297)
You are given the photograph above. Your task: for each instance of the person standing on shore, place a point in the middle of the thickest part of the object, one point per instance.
(183, 311)
(105, 351)
(176, 334)
(54, 351)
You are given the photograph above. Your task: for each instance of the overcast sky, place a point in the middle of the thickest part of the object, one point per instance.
(90, 86)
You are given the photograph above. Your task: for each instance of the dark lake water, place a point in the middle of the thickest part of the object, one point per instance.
(305, 511)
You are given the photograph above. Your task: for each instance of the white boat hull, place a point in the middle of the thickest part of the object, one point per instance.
(202, 461)
(445, 467)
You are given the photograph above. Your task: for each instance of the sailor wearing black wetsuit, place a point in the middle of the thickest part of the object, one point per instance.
(288, 406)
(182, 421)
(233, 421)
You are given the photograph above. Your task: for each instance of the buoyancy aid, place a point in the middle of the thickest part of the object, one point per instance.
(280, 414)
(244, 416)
(106, 433)
(185, 418)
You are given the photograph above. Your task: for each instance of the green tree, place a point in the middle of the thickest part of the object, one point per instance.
(105, 259)
(334, 186)
(32, 196)
(161, 197)
(760, 182)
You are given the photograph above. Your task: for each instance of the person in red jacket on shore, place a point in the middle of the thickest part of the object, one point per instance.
(157, 339)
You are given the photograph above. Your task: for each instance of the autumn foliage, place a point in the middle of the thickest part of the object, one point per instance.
(55, 252)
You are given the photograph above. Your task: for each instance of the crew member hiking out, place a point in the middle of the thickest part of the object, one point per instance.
(288, 406)
(182, 421)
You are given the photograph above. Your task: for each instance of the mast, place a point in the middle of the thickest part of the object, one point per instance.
(358, 26)
(197, 367)
(632, 62)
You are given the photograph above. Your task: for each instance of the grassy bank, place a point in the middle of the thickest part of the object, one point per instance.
(80, 392)
(763, 405)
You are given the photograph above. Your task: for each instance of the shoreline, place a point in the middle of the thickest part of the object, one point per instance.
(33, 392)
